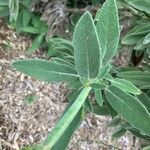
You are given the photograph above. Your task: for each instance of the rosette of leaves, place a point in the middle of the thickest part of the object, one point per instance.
(94, 42)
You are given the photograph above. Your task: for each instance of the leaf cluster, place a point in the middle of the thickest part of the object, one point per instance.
(85, 64)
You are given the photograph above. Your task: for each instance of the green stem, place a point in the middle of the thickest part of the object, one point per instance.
(64, 122)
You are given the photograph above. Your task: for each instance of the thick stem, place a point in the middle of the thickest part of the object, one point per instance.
(64, 122)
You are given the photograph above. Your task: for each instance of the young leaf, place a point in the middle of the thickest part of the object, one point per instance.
(125, 85)
(45, 70)
(108, 29)
(86, 47)
(66, 119)
(130, 108)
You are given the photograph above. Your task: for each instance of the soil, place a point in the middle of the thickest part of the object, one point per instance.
(22, 124)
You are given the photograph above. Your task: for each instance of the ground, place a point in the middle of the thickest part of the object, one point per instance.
(22, 124)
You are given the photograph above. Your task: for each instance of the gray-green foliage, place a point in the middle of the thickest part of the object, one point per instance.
(138, 37)
(87, 48)
(85, 65)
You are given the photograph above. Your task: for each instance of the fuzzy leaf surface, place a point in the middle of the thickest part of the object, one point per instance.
(108, 29)
(45, 70)
(125, 85)
(86, 47)
(139, 78)
(130, 108)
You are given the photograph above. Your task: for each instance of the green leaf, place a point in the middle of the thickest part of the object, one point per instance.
(19, 21)
(145, 100)
(36, 43)
(4, 11)
(119, 131)
(4, 3)
(63, 141)
(27, 15)
(100, 110)
(134, 35)
(86, 47)
(108, 29)
(139, 135)
(45, 70)
(143, 5)
(146, 148)
(13, 9)
(29, 29)
(36, 22)
(125, 85)
(26, 3)
(104, 71)
(65, 120)
(98, 96)
(140, 46)
(139, 78)
(62, 61)
(146, 39)
(130, 108)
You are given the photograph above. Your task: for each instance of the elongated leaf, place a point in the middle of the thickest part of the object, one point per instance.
(108, 29)
(86, 47)
(98, 96)
(63, 141)
(143, 5)
(139, 78)
(65, 121)
(36, 43)
(45, 70)
(140, 45)
(13, 9)
(30, 30)
(125, 85)
(130, 108)
(134, 35)
(139, 135)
